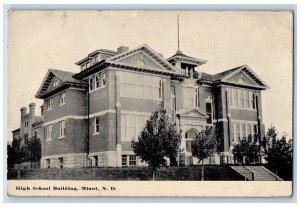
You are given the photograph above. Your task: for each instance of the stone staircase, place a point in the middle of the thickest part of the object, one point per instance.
(256, 173)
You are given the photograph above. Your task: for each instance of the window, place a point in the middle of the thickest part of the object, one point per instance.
(88, 64)
(48, 163)
(253, 100)
(26, 138)
(61, 162)
(26, 123)
(132, 160)
(241, 130)
(235, 97)
(49, 104)
(62, 129)
(191, 98)
(197, 98)
(173, 107)
(209, 113)
(241, 98)
(91, 85)
(96, 161)
(160, 89)
(62, 100)
(103, 79)
(97, 81)
(132, 125)
(140, 86)
(124, 160)
(49, 132)
(190, 136)
(97, 125)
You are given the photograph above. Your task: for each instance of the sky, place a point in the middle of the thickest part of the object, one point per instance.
(39, 40)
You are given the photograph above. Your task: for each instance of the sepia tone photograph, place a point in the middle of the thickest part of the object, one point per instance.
(100, 102)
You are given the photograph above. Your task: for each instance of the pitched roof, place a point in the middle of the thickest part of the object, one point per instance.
(227, 73)
(65, 76)
(182, 55)
(106, 51)
(220, 76)
(166, 67)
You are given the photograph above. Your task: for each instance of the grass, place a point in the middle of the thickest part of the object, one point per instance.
(212, 172)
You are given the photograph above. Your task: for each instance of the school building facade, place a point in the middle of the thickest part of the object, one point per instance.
(90, 117)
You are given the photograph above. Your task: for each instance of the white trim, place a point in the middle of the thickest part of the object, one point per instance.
(136, 113)
(206, 85)
(244, 121)
(102, 113)
(62, 155)
(244, 109)
(219, 120)
(73, 88)
(80, 117)
(63, 118)
(144, 73)
(128, 153)
(208, 100)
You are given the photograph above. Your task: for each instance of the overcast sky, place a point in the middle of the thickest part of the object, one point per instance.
(57, 39)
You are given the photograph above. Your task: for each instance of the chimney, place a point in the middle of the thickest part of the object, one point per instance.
(32, 111)
(23, 112)
(122, 49)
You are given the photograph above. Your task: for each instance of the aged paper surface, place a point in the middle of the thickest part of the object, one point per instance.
(39, 40)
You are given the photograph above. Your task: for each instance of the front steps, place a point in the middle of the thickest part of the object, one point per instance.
(256, 173)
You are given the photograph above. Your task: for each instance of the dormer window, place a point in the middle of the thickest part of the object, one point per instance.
(88, 64)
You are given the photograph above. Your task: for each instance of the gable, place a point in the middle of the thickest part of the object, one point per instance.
(140, 59)
(242, 78)
(193, 113)
(55, 79)
(143, 57)
(54, 83)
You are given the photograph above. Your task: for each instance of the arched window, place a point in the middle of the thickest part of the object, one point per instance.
(190, 135)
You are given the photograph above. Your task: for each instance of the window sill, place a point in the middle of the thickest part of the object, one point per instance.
(49, 109)
(96, 89)
(48, 140)
(245, 109)
(144, 99)
(62, 137)
(62, 104)
(96, 133)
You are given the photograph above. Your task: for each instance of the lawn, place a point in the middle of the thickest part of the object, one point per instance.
(212, 172)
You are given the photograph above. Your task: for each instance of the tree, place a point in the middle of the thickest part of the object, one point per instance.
(10, 159)
(204, 145)
(34, 149)
(15, 152)
(18, 153)
(157, 141)
(277, 151)
(247, 148)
